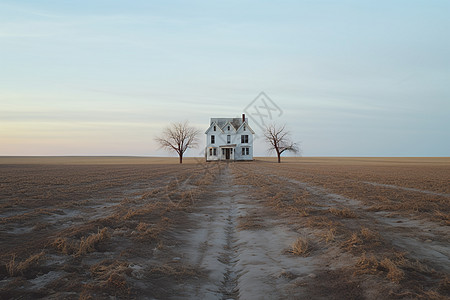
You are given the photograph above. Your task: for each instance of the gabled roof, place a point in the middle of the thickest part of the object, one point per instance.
(231, 126)
(235, 122)
(212, 125)
(247, 127)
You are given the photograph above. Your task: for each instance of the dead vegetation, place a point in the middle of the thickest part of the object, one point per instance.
(177, 271)
(78, 213)
(320, 200)
(109, 277)
(343, 213)
(15, 268)
(300, 247)
(391, 267)
(84, 245)
(249, 222)
(88, 225)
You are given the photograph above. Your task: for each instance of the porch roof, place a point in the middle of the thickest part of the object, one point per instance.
(228, 146)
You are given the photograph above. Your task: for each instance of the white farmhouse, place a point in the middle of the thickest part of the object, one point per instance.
(229, 139)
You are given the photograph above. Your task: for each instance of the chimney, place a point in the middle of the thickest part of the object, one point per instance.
(243, 118)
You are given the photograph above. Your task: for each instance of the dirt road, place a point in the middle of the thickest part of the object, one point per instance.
(244, 246)
(239, 245)
(256, 230)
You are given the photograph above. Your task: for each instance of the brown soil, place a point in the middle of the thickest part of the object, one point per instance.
(322, 228)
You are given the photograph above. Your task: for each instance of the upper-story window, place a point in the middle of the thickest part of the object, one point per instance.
(214, 128)
(228, 127)
(244, 138)
(245, 128)
(228, 139)
(213, 139)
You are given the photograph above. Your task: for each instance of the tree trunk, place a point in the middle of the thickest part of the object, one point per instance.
(181, 158)
(279, 157)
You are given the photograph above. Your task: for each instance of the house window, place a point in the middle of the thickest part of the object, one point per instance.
(244, 128)
(228, 139)
(214, 127)
(213, 139)
(244, 139)
(245, 151)
(215, 151)
(223, 151)
(231, 151)
(228, 127)
(210, 151)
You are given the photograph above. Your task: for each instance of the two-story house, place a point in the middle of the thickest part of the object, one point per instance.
(229, 139)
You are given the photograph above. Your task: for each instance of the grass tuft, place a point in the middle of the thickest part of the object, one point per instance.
(88, 244)
(367, 265)
(249, 222)
(300, 247)
(19, 268)
(85, 245)
(395, 274)
(343, 213)
(178, 272)
(329, 235)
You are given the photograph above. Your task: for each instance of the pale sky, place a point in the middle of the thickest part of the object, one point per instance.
(352, 78)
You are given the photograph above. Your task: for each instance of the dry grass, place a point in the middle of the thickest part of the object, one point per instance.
(300, 247)
(142, 226)
(394, 273)
(368, 234)
(63, 245)
(444, 285)
(154, 231)
(371, 265)
(352, 178)
(15, 268)
(90, 243)
(148, 197)
(134, 206)
(176, 271)
(366, 265)
(440, 216)
(95, 160)
(353, 242)
(343, 213)
(330, 235)
(104, 269)
(249, 222)
(364, 240)
(306, 195)
(320, 222)
(434, 295)
(110, 278)
(84, 245)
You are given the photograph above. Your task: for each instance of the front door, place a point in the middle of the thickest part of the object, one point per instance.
(227, 153)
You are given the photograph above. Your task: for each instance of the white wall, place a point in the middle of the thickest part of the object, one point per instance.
(221, 139)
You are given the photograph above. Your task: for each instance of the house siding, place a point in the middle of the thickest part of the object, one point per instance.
(232, 127)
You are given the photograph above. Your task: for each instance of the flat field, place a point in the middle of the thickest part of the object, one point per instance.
(149, 228)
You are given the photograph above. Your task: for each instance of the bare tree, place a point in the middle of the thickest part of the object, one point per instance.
(279, 140)
(179, 137)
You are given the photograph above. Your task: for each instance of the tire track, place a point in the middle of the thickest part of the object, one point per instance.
(229, 288)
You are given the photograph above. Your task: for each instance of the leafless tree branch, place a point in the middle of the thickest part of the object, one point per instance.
(178, 137)
(279, 140)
